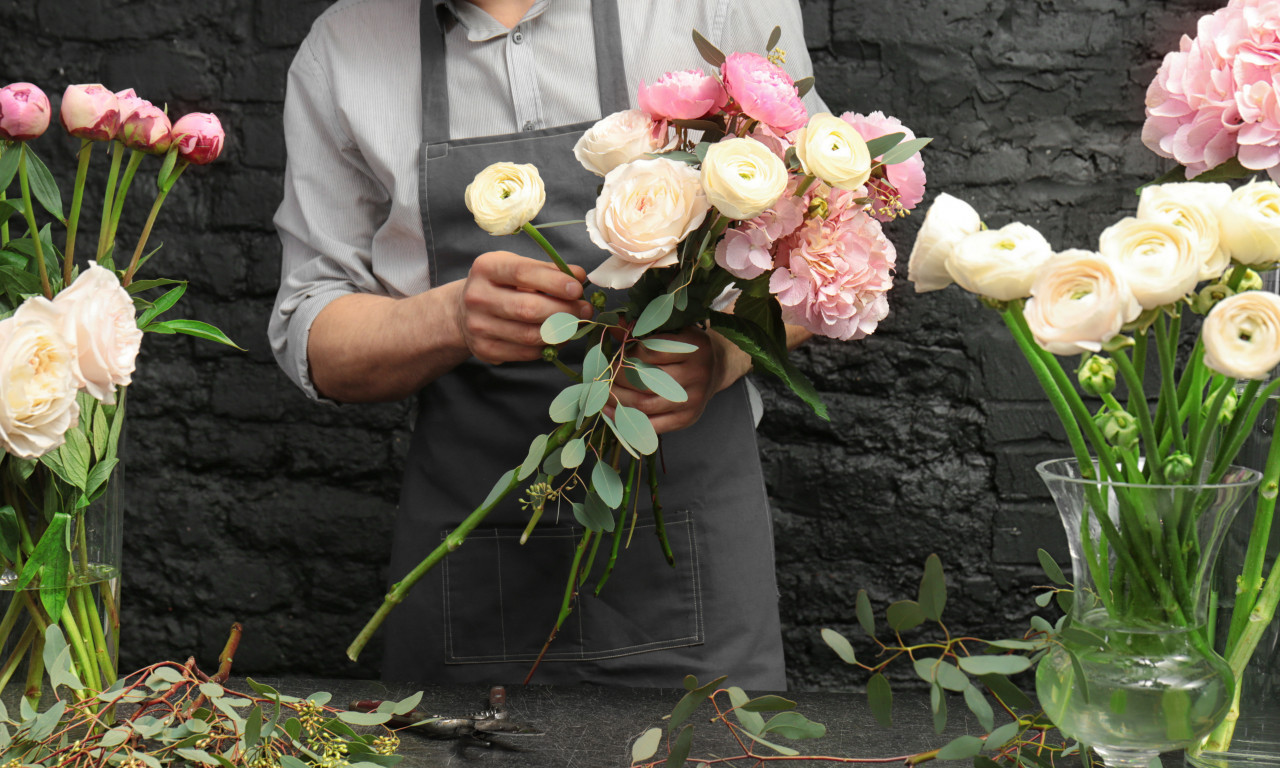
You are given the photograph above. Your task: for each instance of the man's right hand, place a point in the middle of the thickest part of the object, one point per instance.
(505, 298)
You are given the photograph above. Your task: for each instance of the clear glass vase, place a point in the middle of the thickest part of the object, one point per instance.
(1134, 672)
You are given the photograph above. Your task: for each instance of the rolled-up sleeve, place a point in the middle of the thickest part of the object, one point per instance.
(332, 208)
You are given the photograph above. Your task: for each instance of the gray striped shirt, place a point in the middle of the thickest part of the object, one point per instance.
(350, 219)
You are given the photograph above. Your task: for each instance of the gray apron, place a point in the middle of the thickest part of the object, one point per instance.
(483, 615)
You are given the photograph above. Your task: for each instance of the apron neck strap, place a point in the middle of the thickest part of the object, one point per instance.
(611, 80)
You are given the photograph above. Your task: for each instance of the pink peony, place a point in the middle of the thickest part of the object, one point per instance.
(199, 137)
(746, 250)
(24, 112)
(905, 180)
(762, 90)
(129, 101)
(147, 129)
(90, 112)
(682, 95)
(834, 273)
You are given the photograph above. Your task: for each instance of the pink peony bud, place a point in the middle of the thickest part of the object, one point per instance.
(24, 112)
(762, 90)
(129, 101)
(682, 95)
(90, 112)
(199, 137)
(147, 129)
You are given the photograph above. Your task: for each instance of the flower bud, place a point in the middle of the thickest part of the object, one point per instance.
(1178, 467)
(598, 299)
(90, 112)
(199, 137)
(1119, 428)
(505, 196)
(1228, 410)
(549, 354)
(1209, 296)
(147, 129)
(1252, 281)
(1098, 376)
(24, 112)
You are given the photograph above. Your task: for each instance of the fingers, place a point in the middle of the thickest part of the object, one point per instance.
(514, 271)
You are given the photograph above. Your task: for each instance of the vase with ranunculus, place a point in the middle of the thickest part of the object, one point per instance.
(70, 333)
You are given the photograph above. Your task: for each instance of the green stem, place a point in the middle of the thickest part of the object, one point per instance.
(25, 640)
(533, 232)
(146, 230)
(30, 214)
(1249, 583)
(35, 671)
(659, 522)
(122, 193)
(73, 223)
(1138, 404)
(105, 657)
(627, 491)
(84, 660)
(108, 202)
(1167, 392)
(804, 185)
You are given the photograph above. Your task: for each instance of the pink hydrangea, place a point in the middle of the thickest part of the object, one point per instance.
(746, 250)
(682, 95)
(762, 90)
(834, 273)
(905, 187)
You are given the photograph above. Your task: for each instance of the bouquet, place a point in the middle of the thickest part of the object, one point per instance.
(724, 205)
(69, 339)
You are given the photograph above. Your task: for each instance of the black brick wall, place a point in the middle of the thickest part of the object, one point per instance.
(246, 502)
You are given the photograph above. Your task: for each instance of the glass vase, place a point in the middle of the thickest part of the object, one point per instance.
(1134, 672)
(85, 600)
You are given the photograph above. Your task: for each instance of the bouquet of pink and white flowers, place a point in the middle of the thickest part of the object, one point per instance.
(69, 337)
(724, 205)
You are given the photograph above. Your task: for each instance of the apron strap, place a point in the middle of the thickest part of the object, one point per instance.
(611, 77)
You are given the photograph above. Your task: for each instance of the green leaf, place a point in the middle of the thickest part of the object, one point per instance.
(621, 440)
(658, 381)
(840, 644)
(804, 85)
(765, 353)
(564, 406)
(680, 748)
(10, 534)
(551, 465)
(1051, 568)
(985, 665)
(881, 144)
(670, 346)
(51, 561)
(752, 722)
(1082, 682)
(690, 702)
(532, 460)
(114, 737)
(289, 761)
(193, 328)
(951, 678)
(866, 617)
(559, 328)
(634, 427)
(711, 54)
(46, 721)
(880, 699)
(595, 364)
(99, 475)
(904, 151)
(138, 286)
(43, 187)
(980, 707)
(161, 305)
(793, 725)
(933, 589)
(573, 453)
(594, 397)
(1043, 599)
(1002, 735)
(499, 488)
(1016, 645)
(1082, 637)
(8, 167)
(605, 481)
(593, 514)
(100, 432)
(364, 718)
(654, 315)
(938, 702)
(679, 156)
(904, 615)
(982, 761)
(788, 751)
(960, 748)
(774, 37)
(166, 168)
(1007, 692)
(646, 746)
(197, 756)
(769, 703)
(253, 727)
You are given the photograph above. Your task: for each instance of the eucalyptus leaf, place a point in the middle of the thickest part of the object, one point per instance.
(904, 615)
(595, 364)
(498, 490)
(636, 429)
(364, 718)
(780, 749)
(774, 37)
(840, 644)
(559, 328)
(607, 483)
(197, 756)
(1001, 736)
(711, 54)
(1016, 645)
(1081, 679)
(1051, 568)
(659, 381)
(47, 721)
(679, 751)
(594, 397)
(646, 746)
(881, 144)
(752, 722)
(793, 725)
(654, 315)
(253, 727)
(880, 699)
(594, 513)
(533, 459)
(1007, 692)
(980, 707)
(904, 151)
(804, 85)
(933, 589)
(769, 703)
(669, 346)
(866, 617)
(691, 701)
(114, 737)
(938, 702)
(573, 453)
(564, 406)
(1005, 665)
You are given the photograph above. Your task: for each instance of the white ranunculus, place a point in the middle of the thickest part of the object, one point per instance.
(644, 210)
(1078, 302)
(832, 150)
(742, 177)
(1251, 224)
(505, 196)
(1157, 259)
(1195, 206)
(948, 221)
(99, 320)
(37, 381)
(617, 139)
(1241, 335)
(999, 263)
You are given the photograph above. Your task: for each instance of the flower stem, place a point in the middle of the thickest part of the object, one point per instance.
(659, 522)
(73, 223)
(117, 205)
(30, 214)
(108, 201)
(146, 230)
(533, 232)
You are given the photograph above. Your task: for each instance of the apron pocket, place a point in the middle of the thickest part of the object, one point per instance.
(501, 598)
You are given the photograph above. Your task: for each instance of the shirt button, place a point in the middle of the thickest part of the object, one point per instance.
(528, 125)
(517, 38)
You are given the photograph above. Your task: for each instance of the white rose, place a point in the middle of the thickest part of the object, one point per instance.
(1251, 224)
(742, 177)
(617, 139)
(1241, 335)
(505, 196)
(999, 263)
(644, 210)
(1158, 260)
(37, 381)
(1078, 302)
(948, 221)
(1194, 206)
(832, 150)
(99, 320)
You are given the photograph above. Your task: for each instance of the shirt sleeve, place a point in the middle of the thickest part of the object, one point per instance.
(331, 210)
(748, 26)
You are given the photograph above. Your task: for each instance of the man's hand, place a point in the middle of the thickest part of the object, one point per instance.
(504, 300)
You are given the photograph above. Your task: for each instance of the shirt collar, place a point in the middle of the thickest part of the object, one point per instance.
(479, 25)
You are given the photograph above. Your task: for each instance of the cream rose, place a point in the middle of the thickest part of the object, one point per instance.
(742, 177)
(834, 151)
(999, 263)
(37, 381)
(505, 196)
(1251, 224)
(644, 210)
(948, 221)
(617, 139)
(1241, 335)
(1078, 302)
(1158, 260)
(1194, 206)
(99, 321)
